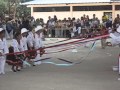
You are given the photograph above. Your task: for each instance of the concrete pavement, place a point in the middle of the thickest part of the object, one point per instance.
(95, 73)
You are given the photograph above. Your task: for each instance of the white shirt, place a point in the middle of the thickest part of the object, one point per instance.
(115, 38)
(3, 46)
(37, 41)
(24, 41)
(17, 47)
(30, 39)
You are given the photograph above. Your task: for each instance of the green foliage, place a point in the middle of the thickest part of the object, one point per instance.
(6, 5)
(3, 7)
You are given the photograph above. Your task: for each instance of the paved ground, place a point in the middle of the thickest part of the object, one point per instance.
(95, 73)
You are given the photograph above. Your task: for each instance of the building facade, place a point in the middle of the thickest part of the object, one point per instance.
(73, 8)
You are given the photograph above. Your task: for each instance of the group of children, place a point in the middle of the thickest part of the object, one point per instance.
(26, 49)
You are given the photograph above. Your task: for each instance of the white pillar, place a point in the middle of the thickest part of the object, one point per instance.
(71, 11)
(32, 11)
(113, 12)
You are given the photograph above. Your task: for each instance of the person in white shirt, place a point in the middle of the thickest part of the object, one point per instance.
(3, 51)
(115, 37)
(16, 46)
(30, 39)
(20, 45)
(24, 33)
(17, 43)
(30, 43)
(38, 44)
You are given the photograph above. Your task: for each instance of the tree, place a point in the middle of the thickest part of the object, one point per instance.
(20, 10)
(13, 7)
(2, 7)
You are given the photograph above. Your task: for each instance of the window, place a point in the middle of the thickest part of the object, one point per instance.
(51, 9)
(92, 8)
(117, 7)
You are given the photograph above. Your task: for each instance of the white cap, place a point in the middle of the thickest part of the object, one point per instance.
(1, 29)
(23, 30)
(118, 29)
(38, 28)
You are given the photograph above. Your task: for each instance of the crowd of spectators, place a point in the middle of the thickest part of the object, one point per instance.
(66, 28)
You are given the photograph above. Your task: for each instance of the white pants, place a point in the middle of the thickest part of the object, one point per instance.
(72, 34)
(74, 29)
(79, 30)
(57, 34)
(7, 35)
(115, 42)
(2, 65)
(11, 34)
(37, 60)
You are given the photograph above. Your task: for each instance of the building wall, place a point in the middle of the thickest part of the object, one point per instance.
(76, 14)
(62, 15)
(117, 12)
(45, 15)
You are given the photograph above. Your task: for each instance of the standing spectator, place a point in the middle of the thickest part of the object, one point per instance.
(9, 28)
(78, 27)
(94, 17)
(55, 18)
(116, 21)
(108, 24)
(41, 22)
(49, 26)
(104, 18)
(25, 23)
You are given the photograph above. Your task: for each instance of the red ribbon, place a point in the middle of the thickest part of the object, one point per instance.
(42, 50)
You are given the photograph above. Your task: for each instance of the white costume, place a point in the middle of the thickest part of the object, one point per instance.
(24, 41)
(17, 47)
(30, 39)
(79, 30)
(21, 46)
(37, 44)
(115, 37)
(3, 51)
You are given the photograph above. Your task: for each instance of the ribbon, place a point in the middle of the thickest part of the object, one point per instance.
(80, 41)
(57, 64)
(72, 63)
(73, 42)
